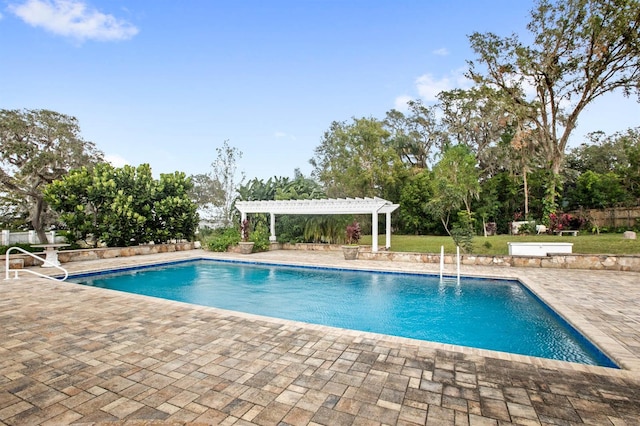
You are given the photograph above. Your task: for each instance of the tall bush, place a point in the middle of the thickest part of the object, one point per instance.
(124, 206)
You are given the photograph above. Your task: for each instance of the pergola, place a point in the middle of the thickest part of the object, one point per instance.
(373, 206)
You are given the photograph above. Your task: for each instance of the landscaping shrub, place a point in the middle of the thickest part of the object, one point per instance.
(564, 221)
(223, 238)
(27, 247)
(204, 233)
(69, 238)
(527, 228)
(462, 232)
(260, 238)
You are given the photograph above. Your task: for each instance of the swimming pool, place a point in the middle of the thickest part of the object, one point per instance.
(484, 313)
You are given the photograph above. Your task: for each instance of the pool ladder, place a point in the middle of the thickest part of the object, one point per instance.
(44, 261)
(444, 279)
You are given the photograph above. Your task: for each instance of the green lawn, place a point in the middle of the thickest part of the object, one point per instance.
(583, 243)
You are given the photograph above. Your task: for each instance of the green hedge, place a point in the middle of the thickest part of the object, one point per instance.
(27, 247)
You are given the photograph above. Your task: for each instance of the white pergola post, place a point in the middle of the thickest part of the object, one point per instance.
(388, 239)
(272, 237)
(374, 231)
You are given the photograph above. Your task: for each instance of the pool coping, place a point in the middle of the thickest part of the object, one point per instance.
(628, 363)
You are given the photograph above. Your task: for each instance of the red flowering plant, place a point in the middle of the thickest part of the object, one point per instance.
(564, 221)
(353, 233)
(244, 230)
(555, 222)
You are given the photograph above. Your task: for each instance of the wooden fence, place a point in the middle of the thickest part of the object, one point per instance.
(615, 217)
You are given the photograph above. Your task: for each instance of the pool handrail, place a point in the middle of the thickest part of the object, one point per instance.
(442, 278)
(45, 261)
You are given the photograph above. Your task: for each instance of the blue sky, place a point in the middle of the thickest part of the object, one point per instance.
(166, 82)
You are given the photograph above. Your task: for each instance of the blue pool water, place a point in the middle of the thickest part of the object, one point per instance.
(483, 313)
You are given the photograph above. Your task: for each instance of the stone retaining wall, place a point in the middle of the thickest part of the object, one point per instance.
(562, 261)
(311, 247)
(66, 256)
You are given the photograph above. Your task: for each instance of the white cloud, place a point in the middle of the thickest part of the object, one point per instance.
(401, 103)
(73, 18)
(115, 160)
(429, 87)
(441, 52)
(283, 135)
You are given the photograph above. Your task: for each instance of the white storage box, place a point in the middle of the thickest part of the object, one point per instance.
(539, 249)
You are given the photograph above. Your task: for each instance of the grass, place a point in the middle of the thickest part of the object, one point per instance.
(497, 245)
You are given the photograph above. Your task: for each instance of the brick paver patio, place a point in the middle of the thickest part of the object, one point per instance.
(71, 354)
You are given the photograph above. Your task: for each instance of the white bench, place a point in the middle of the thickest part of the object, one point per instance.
(573, 233)
(51, 253)
(539, 249)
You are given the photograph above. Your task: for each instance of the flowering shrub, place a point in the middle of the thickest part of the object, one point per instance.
(564, 221)
(555, 222)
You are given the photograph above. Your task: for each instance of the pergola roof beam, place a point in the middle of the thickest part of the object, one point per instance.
(318, 206)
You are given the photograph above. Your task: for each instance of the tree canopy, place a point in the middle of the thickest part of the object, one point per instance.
(418, 135)
(36, 148)
(454, 184)
(356, 159)
(216, 191)
(580, 50)
(124, 206)
(605, 171)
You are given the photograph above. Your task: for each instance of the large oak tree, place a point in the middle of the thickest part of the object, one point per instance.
(416, 135)
(579, 51)
(36, 148)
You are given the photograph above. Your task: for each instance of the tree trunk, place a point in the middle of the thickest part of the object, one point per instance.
(36, 220)
(446, 224)
(552, 190)
(526, 192)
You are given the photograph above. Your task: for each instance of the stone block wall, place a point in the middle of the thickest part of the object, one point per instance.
(311, 247)
(66, 256)
(561, 261)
